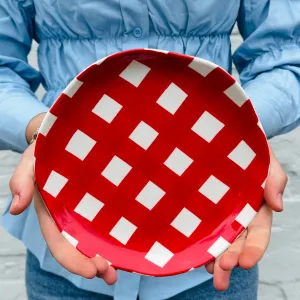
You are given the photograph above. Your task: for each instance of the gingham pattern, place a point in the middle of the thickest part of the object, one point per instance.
(156, 161)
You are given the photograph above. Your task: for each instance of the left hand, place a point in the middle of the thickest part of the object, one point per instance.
(22, 186)
(250, 247)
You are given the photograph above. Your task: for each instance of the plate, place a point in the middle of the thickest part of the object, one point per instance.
(154, 160)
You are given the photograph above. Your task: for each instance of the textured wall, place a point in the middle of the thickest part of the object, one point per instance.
(279, 270)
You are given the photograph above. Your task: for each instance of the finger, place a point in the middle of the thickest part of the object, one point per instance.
(258, 238)
(221, 277)
(64, 253)
(210, 267)
(22, 182)
(110, 276)
(104, 271)
(230, 258)
(101, 264)
(275, 184)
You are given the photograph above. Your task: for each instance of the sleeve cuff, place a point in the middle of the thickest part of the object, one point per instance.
(274, 95)
(17, 108)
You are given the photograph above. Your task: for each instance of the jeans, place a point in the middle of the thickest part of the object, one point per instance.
(42, 285)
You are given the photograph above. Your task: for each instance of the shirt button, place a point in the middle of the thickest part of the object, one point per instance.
(137, 32)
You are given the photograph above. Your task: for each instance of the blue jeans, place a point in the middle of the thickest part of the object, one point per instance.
(42, 285)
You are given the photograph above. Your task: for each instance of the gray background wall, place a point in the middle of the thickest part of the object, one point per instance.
(279, 269)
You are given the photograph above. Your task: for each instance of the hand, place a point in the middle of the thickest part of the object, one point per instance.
(33, 125)
(22, 186)
(250, 247)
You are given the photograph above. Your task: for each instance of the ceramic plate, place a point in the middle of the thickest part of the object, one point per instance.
(155, 161)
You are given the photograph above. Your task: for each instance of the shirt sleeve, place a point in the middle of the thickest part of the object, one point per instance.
(269, 61)
(18, 81)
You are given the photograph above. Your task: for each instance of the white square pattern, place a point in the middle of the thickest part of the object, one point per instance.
(159, 255)
(157, 50)
(109, 263)
(101, 60)
(47, 124)
(135, 73)
(246, 215)
(261, 127)
(263, 185)
(172, 98)
(73, 87)
(89, 207)
(178, 162)
(55, 183)
(218, 247)
(70, 239)
(107, 108)
(186, 222)
(242, 155)
(236, 94)
(143, 135)
(116, 170)
(150, 195)
(123, 231)
(201, 66)
(207, 126)
(214, 189)
(80, 145)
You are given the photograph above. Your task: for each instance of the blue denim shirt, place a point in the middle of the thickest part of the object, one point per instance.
(74, 34)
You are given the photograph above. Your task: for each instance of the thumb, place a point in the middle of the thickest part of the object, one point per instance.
(22, 182)
(275, 185)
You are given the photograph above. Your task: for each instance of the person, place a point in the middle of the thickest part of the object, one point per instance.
(74, 34)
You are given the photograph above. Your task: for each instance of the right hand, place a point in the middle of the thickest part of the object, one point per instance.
(23, 189)
(249, 248)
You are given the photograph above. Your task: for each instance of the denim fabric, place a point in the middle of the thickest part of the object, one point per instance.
(43, 285)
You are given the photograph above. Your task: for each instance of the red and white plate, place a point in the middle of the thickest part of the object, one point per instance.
(155, 161)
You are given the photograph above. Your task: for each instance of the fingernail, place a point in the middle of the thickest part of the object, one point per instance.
(279, 201)
(15, 201)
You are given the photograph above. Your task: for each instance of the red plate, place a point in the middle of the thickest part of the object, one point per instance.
(154, 160)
